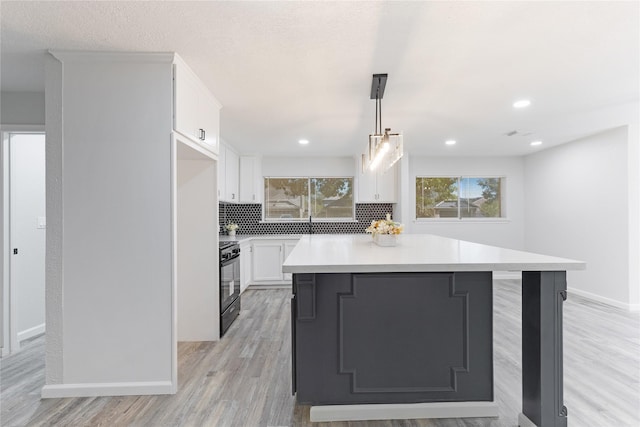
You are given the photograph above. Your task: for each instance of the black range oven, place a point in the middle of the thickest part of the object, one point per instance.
(229, 284)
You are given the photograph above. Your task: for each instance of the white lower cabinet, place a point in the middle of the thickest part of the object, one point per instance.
(267, 261)
(268, 256)
(246, 256)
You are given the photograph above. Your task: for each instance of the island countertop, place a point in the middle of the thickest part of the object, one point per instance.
(344, 253)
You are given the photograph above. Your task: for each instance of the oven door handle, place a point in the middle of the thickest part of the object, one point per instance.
(228, 261)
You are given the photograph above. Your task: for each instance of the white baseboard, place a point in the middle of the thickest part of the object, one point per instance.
(402, 411)
(604, 300)
(108, 389)
(524, 421)
(31, 332)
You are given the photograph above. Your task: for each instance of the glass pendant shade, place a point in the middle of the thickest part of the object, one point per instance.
(383, 151)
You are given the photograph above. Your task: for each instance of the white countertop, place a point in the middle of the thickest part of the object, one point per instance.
(356, 253)
(243, 237)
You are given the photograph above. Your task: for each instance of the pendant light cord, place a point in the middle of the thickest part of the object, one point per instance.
(380, 121)
(375, 129)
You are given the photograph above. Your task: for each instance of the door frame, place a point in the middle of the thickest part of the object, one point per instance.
(8, 333)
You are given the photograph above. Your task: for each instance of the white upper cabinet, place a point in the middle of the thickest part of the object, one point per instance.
(376, 187)
(221, 173)
(228, 173)
(232, 168)
(210, 109)
(186, 89)
(386, 186)
(251, 185)
(196, 110)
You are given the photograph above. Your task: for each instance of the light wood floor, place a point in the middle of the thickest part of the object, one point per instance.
(244, 380)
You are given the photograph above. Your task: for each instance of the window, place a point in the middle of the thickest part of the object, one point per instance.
(294, 199)
(459, 197)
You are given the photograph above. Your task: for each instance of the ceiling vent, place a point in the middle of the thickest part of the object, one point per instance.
(518, 133)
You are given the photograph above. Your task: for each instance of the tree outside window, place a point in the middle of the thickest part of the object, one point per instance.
(459, 197)
(299, 198)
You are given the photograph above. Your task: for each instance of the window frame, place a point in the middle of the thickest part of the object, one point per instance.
(313, 218)
(503, 201)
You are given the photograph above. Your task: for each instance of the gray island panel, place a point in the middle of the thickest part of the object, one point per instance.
(393, 338)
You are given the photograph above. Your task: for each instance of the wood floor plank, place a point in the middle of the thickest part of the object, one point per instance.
(244, 379)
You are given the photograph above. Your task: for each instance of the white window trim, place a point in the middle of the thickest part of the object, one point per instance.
(313, 220)
(351, 219)
(461, 219)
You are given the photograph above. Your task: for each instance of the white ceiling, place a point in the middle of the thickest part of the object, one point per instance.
(290, 70)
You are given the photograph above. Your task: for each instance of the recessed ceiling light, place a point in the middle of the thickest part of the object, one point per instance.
(450, 142)
(534, 143)
(521, 103)
(303, 141)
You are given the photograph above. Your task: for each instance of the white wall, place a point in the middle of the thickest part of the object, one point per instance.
(22, 108)
(577, 207)
(18, 111)
(198, 293)
(27, 200)
(308, 166)
(633, 162)
(4, 250)
(508, 233)
(110, 241)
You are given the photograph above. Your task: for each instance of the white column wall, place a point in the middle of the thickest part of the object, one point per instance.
(634, 215)
(4, 251)
(110, 268)
(577, 207)
(54, 209)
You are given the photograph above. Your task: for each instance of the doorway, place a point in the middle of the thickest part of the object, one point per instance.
(24, 231)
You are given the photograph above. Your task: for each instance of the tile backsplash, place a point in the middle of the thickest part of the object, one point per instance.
(249, 219)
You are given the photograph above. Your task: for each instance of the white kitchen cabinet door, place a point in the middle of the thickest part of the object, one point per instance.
(232, 167)
(376, 187)
(288, 247)
(386, 186)
(367, 192)
(210, 120)
(186, 98)
(245, 265)
(267, 261)
(221, 173)
(251, 184)
(196, 111)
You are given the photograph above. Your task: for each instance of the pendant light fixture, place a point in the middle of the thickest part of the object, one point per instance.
(385, 148)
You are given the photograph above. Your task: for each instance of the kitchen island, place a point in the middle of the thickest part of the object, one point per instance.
(406, 331)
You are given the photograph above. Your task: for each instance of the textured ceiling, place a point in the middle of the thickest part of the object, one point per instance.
(290, 70)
